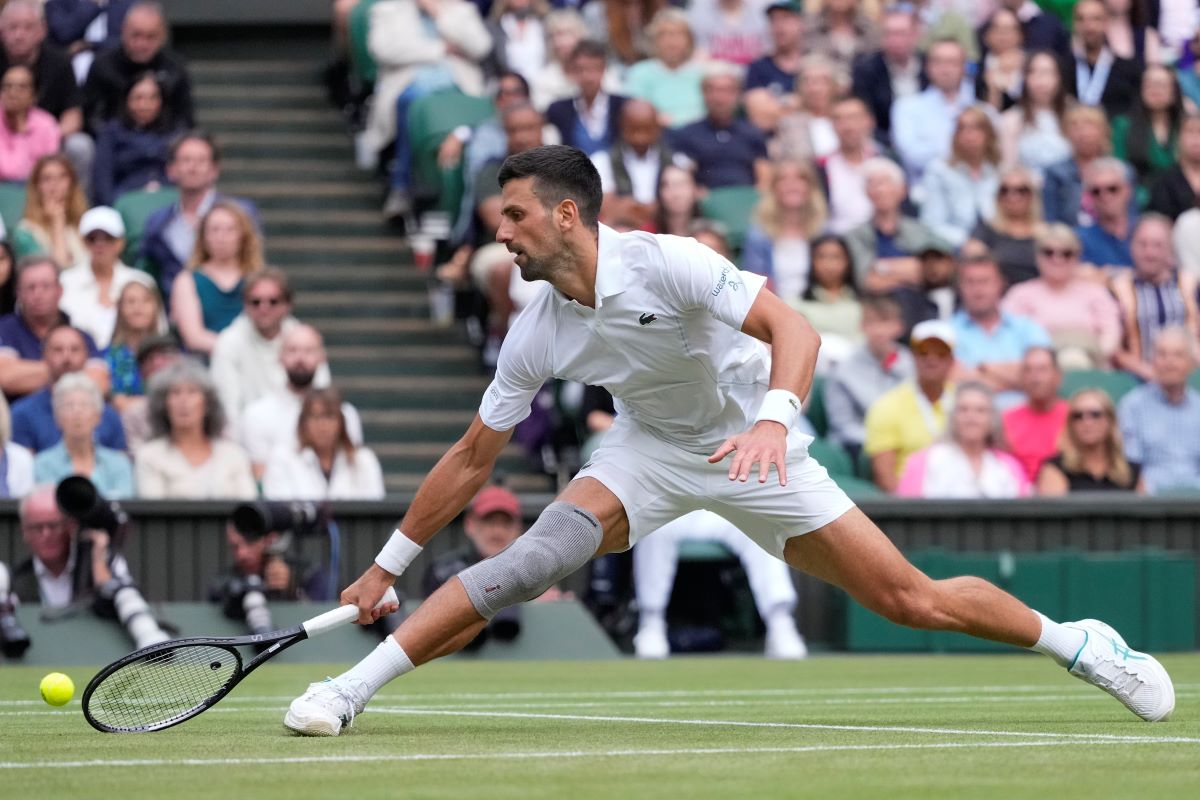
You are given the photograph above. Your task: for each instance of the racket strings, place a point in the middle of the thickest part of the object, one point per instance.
(163, 686)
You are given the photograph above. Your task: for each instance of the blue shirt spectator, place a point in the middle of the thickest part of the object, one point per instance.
(727, 151)
(112, 473)
(16, 335)
(34, 425)
(1007, 341)
(923, 124)
(1102, 248)
(1109, 184)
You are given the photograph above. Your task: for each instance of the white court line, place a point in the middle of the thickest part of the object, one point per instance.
(570, 754)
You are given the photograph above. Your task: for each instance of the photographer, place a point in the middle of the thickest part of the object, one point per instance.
(76, 568)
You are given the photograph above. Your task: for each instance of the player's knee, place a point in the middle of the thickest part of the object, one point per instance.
(911, 605)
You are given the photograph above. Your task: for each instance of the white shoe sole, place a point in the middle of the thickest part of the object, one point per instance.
(311, 726)
(1155, 668)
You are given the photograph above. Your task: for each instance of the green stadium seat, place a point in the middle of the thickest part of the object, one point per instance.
(832, 456)
(1194, 380)
(12, 205)
(815, 410)
(430, 119)
(362, 62)
(731, 206)
(1114, 382)
(135, 208)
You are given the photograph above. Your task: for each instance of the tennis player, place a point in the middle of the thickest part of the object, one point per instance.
(706, 414)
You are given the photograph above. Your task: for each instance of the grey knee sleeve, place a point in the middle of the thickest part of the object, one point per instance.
(564, 538)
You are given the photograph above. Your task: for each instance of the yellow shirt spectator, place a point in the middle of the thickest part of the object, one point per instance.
(901, 421)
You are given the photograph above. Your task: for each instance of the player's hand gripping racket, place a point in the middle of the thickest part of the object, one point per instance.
(170, 682)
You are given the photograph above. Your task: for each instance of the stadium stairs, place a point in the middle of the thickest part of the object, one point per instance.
(416, 385)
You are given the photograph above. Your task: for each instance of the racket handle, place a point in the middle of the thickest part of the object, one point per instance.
(342, 615)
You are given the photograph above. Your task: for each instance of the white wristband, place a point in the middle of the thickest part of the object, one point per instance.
(398, 553)
(780, 406)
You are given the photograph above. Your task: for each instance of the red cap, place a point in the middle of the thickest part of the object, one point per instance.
(496, 498)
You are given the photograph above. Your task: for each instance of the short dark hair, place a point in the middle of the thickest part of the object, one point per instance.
(882, 305)
(272, 274)
(559, 173)
(588, 48)
(514, 75)
(203, 137)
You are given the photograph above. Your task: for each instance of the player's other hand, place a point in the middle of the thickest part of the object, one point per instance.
(367, 591)
(764, 444)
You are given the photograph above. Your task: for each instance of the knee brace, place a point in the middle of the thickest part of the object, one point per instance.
(564, 538)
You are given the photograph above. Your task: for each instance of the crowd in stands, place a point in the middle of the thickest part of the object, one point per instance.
(973, 202)
(144, 341)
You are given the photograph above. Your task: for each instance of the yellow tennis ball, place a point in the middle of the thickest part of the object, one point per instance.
(57, 689)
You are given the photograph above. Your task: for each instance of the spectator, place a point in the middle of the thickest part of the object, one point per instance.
(885, 247)
(565, 28)
(90, 288)
(153, 355)
(1032, 429)
(83, 28)
(1106, 240)
(960, 190)
(1189, 76)
(187, 458)
(140, 317)
(1131, 34)
(1154, 296)
(23, 34)
(1096, 75)
(269, 423)
(1091, 456)
(77, 410)
(629, 169)
(670, 80)
(713, 235)
(842, 31)
(830, 299)
(1148, 136)
(874, 367)
(23, 332)
(34, 424)
(1039, 30)
(207, 297)
(787, 218)
(895, 71)
(54, 205)
(8, 279)
(588, 121)
(678, 201)
(245, 360)
(143, 49)
(268, 564)
(970, 462)
(169, 238)
(734, 31)
(1160, 421)
(842, 171)
(1090, 137)
(1031, 132)
(1175, 191)
(16, 463)
(807, 132)
(518, 35)
(923, 124)
(990, 342)
(1079, 314)
(26, 132)
(934, 296)
(1009, 234)
(132, 150)
(911, 416)
(654, 561)
(999, 80)
(326, 464)
(771, 79)
(727, 151)
(1186, 238)
(420, 46)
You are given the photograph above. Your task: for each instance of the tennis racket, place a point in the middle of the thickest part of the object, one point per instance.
(165, 684)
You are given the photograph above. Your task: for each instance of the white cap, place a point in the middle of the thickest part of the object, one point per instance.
(933, 329)
(102, 218)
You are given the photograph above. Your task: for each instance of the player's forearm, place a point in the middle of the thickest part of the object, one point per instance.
(794, 347)
(445, 492)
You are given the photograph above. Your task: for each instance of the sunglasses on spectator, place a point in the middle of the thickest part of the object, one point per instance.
(1088, 413)
(266, 301)
(1049, 252)
(1112, 188)
(1022, 190)
(94, 238)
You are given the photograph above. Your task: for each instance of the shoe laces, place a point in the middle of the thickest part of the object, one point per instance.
(1116, 675)
(344, 693)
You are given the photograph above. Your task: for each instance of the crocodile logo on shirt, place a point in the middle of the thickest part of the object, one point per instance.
(646, 319)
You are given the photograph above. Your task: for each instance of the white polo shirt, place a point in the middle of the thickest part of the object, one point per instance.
(664, 339)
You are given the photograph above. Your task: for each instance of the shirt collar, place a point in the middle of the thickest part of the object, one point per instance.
(43, 572)
(610, 273)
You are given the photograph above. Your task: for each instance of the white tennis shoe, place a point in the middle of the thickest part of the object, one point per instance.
(1136, 679)
(323, 710)
(784, 642)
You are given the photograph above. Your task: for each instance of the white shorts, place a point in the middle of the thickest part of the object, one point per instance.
(657, 482)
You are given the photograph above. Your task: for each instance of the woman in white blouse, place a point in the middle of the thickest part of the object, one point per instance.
(187, 456)
(325, 465)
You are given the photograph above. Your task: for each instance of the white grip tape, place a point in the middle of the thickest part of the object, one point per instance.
(397, 553)
(779, 405)
(342, 615)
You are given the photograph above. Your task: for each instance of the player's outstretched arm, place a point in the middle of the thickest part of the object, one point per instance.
(445, 492)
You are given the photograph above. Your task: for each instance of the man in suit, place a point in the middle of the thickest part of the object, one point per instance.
(590, 120)
(1095, 74)
(893, 72)
(84, 28)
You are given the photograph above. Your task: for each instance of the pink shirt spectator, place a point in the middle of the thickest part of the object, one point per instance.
(942, 471)
(1080, 314)
(20, 151)
(1033, 435)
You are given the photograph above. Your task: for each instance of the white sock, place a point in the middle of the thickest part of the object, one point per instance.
(652, 621)
(385, 662)
(1058, 641)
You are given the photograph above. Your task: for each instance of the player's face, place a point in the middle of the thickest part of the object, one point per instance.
(527, 229)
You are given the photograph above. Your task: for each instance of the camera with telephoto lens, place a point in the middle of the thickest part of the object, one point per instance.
(245, 598)
(14, 641)
(256, 520)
